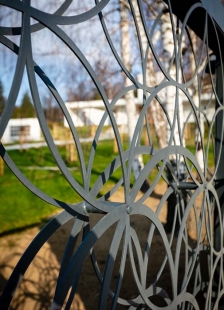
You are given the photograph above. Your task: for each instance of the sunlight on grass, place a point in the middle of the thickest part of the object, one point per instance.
(21, 208)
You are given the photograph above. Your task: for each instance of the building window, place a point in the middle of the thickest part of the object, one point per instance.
(17, 131)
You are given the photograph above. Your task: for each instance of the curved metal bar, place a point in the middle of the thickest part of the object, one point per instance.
(98, 131)
(110, 264)
(58, 98)
(8, 110)
(82, 252)
(28, 256)
(59, 20)
(187, 191)
(12, 31)
(113, 49)
(72, 209)
(95, 79)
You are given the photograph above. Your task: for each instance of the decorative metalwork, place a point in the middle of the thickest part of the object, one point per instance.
(180, 76)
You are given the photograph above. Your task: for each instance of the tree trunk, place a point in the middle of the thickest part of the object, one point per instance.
(174, 133)
(132, 114)
(154, 108)
(198, 137)
(172, 93)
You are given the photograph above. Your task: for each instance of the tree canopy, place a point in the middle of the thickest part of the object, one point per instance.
(26, 110)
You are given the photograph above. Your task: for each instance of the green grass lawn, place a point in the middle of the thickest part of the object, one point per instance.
(21, 208)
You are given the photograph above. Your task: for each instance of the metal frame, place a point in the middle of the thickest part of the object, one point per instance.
(121, 213)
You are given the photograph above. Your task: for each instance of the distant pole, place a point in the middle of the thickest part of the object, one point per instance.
(73, 153)
(187, 135)
(120, 128)
(55, 130)
(115, 146)
(21, 139)
(115, 149)
(67, 150)
(92, 130)
(122, 134)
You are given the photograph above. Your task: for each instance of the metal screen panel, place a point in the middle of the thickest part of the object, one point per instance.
(179, 98)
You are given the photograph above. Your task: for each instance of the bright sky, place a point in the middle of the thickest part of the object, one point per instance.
(49, 52)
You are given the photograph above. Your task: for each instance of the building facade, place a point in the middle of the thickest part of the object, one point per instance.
(27, 129)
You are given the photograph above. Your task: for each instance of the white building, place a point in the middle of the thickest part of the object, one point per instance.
(86, 113)
(90, 112)
(27, 128)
